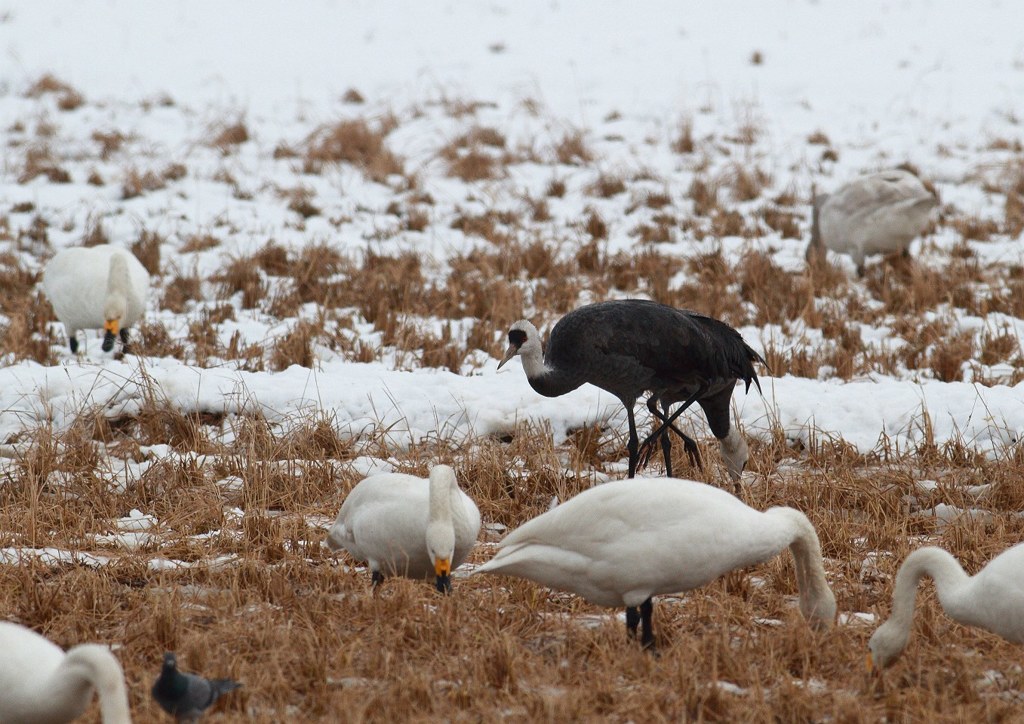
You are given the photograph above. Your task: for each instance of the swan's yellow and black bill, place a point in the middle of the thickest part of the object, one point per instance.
(112, 326)
(443, 570)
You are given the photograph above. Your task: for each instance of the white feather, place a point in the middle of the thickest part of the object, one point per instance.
(40, 684)
(880, 213)
(400, 523)
(622, 542)
(85, 293)
(993, 599)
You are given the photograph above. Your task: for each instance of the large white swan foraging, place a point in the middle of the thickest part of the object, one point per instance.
(408, 526)
(41, 684)
(97, 286)
(993, 599)
(620, 543)
(879, 213)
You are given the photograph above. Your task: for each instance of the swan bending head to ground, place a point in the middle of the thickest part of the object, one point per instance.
(98, 286)
(40, 683)
(620, 543)
(878, 213)
(408, 526)
(993, 599)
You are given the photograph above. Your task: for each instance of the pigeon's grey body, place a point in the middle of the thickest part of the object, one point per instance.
(187, 696)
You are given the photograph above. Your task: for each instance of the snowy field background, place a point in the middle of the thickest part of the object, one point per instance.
(930, 83)
(189, 130)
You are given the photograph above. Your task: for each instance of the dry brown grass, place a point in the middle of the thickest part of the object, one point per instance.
(310, 641)
(304, 632)
(41, 161)
(68, 98)
(357, 142)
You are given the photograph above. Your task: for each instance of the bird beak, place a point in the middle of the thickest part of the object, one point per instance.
(511, 352)
(110, 335)
(443, 569)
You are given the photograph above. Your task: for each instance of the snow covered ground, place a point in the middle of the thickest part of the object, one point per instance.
(934, 83)
(799, 93)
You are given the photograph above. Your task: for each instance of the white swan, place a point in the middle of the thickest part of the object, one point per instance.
(620, 543)
(993, 599)
(40, 684)
(408, 526)
(97, 286)
(880, 213)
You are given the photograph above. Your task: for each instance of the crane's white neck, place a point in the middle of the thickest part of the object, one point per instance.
(69, 689)
(817, 602)
(891, 637)
(531, 352)
(524, 340)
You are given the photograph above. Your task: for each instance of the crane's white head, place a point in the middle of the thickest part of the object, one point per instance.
(734, 453)
(524, 339)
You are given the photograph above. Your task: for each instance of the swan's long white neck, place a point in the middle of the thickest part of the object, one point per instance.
(70, 687)
(445, 506)
(119, 287)
(941, 567)
(817, 602)
(891, 637)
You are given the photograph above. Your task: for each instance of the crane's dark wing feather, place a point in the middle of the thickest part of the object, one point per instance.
(629, 346)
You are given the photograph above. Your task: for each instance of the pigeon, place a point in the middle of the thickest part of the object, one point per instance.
(187, 696)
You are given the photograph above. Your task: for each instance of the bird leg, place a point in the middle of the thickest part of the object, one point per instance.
(124, 340)
(666, 439)
(631, 444)
(691, 447)
(647, 633)
(632, 621)
(689, 444)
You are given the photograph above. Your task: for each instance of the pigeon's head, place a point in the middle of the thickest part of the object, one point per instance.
(170, 661)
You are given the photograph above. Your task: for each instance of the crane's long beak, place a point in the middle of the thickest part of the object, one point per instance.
(443, 570)
(511, 352)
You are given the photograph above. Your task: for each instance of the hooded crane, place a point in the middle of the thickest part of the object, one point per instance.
(880, 213)
(631, 346)
(98, 286)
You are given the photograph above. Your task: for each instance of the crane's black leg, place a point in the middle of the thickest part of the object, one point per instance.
(666, 440)
(631, 444)
(689, 444)
(632, 621)
(647, 632)
(692, 451)
(691, 447)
